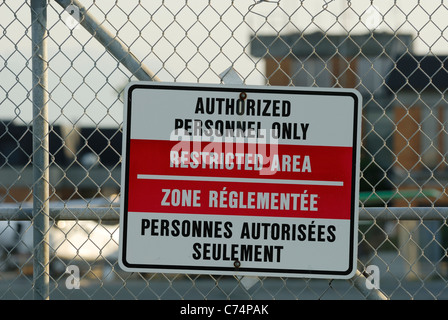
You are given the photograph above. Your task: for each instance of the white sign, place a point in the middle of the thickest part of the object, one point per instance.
(247, 180)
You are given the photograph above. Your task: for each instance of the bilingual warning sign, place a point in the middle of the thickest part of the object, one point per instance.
(240, 180)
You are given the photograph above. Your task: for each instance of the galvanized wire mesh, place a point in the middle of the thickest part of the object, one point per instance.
(393, 52)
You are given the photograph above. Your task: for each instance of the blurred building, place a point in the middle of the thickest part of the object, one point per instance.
(404, 99)
(84, 162)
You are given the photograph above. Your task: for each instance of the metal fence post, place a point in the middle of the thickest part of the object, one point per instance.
(41, 216)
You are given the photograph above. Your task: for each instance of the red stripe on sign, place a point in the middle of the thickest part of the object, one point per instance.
(294, 181)
(241, 160)
(239, 198)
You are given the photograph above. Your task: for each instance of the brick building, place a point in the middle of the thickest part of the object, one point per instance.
(404, 101)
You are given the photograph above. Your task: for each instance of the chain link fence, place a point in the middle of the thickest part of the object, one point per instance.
(64, 65)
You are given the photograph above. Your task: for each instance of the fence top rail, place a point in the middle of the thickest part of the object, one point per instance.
(112, 213)
(17, 213)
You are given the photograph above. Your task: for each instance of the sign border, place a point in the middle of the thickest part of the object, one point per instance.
(132, 267)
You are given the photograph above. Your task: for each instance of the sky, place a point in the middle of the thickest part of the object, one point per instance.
(182, 41)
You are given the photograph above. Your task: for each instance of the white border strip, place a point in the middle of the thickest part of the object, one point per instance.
(245, 180)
